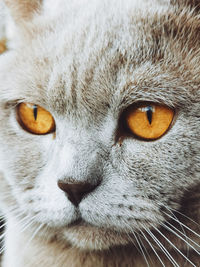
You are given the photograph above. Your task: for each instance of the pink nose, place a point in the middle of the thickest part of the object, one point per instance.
(76, 191)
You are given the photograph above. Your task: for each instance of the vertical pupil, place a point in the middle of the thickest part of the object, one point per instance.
(149, 112)
(35, 111)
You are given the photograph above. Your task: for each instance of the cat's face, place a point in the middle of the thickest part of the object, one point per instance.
(86, 70)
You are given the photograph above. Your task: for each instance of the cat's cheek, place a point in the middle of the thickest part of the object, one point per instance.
(121, 208)
(48, 212)
(49, 203)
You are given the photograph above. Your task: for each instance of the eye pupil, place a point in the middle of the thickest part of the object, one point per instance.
(35, 111)
(149, 113)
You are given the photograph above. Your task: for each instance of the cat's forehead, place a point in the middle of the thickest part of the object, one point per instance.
(110, 53)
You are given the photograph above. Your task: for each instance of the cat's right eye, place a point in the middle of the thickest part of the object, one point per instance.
(35, 119)
(148, 121)
(3, 46)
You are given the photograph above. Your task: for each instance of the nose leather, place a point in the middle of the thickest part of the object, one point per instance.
(76, 191)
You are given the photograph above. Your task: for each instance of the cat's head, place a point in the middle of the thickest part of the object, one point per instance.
(97, 67)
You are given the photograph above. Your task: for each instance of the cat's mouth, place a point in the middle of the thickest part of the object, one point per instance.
(84, 235)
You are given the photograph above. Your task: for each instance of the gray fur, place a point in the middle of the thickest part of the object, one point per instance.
(85, 63)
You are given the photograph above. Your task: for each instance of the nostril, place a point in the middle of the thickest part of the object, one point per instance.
(76, 191)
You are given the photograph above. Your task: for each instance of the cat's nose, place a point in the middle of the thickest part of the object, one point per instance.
(76, 191)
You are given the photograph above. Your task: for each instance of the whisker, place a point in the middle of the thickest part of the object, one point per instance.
(179, 222)
(188, 228)
(14, 210)
(173, 245)
(183, 234)
(27, 224)
(44, 230)
(165, 251)
(153, 249)
(131, 239)
(183, 230)
(137, 240)
(2, 236)
(181, 238)
(2, 226)
(33, 235)
(2, 250)
(140, 239)
(186, 217)
(140, 249)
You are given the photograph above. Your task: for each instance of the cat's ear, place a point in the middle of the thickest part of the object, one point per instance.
(23, 10)
(193, 4)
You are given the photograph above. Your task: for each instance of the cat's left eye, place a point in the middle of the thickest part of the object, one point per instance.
(35, 119)
(148, 121)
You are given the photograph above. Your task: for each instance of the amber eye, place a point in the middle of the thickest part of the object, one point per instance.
(149, 121)
(2, 46)
(35, 119)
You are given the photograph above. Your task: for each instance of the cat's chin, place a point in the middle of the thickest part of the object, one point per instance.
(88, 237)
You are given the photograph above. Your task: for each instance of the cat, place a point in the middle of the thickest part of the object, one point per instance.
(99, 133)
